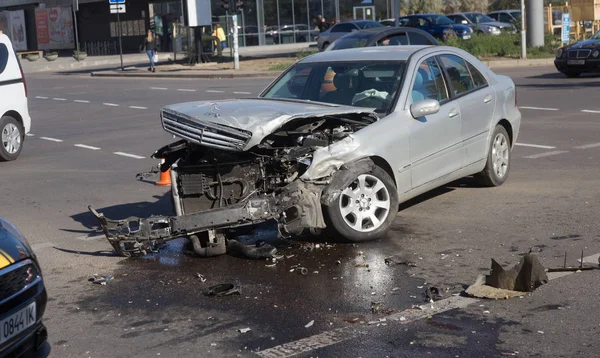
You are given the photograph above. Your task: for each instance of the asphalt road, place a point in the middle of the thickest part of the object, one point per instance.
(92, 135)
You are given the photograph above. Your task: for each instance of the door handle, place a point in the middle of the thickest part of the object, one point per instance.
(487, 99)
(453, 113)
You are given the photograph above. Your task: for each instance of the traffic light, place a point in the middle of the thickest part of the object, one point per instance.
(239, 5)
(225, 4)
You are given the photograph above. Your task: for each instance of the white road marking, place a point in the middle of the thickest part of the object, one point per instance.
(588, 146)
(159, 88)
(86, 146)
(138, 107)
(405, 317)
(30, 134)
(81, 101)
(242, 93)
(52, 139)
(546, 154)
(59, 99)
(214, 91)
(40, 97)
(534, 146)
(589, 111)
(186, 90)
(539, 108)
(129, 155)
(111, 104)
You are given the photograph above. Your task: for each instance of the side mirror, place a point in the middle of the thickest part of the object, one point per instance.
(425, 107)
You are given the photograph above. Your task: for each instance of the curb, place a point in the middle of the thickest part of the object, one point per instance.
(188, 75)
(519, 63)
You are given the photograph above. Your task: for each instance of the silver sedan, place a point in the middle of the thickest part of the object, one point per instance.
(338, 141)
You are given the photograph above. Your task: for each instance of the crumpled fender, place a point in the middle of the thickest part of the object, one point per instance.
(344, 177)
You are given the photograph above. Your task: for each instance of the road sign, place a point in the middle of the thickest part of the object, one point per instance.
(566, 27)
(116, 1)
(117, 8)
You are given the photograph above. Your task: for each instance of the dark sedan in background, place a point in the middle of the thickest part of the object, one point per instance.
(438, 26)
(340, 29)
(580, 57)
(383, 36)
(22, 297)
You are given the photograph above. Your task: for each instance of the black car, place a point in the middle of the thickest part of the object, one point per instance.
(383, 36)
(580, 57)
(22, 297)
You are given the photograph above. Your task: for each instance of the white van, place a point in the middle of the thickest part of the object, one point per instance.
(14, 115)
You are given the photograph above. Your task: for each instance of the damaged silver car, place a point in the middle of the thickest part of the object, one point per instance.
(336, 142)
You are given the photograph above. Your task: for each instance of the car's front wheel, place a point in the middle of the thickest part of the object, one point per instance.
(365, 208)
(11, 138)
(498, 161)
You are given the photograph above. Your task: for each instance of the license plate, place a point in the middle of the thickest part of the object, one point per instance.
(17, 322)
(466, 37)
(575, 62)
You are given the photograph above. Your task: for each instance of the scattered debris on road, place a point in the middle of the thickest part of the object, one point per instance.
(432, 294)
(309, 324)
(301, 270)
(398, 260)
(224, 289)
(201, 277)
(244, 330)
(100, 280)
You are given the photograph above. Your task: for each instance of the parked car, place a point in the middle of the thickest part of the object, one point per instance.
(399, 121)
(481, 23)
(22, 297)
(294, 33)
(580, 57)
(15, 121)
(437, 25)
(387, 22)
(340, 29)
(507, 16)
(383, 36)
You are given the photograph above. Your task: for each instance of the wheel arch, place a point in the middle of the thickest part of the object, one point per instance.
(506, 124)
(383, 164)
(15, 115)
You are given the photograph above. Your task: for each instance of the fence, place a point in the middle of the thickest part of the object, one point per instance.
(100, 48)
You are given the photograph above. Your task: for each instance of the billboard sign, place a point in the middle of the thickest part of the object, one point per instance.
(55, 28)
(17, 32)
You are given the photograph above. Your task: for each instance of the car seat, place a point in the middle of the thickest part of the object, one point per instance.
(345, 90)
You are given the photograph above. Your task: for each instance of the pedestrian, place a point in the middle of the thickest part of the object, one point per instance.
(323, 25)
(220, 34)
(150, 45)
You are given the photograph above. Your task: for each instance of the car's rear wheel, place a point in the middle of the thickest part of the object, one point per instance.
(11, 138)
(498, 161)
(366, 207)
(571, 73)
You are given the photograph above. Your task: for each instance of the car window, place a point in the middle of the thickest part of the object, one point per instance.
(429, 82)
(403, 22)
(354, 40)
(494, 16)
(3, 57)
(394, 40)
(505, 18)
(478, 79)
(343, 28)
(457, 19)
(458, 73)
(418, 39)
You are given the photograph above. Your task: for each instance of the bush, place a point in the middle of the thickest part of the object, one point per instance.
(504, 45)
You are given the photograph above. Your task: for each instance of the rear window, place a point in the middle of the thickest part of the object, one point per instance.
(350, 41)
(3, 57)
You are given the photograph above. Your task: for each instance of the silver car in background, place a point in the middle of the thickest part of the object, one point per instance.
(340, 29)
(481, 23)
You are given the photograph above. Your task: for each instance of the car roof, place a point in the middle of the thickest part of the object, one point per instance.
(504, 11)
(398, 53)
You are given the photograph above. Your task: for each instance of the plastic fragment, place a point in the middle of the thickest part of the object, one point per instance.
(244, 330)
(309, 324)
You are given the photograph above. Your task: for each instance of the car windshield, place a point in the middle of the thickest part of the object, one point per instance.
(368, 24)
(478, 18)
(440, 20)
(596, 36)
(369, 84)
(354, 40)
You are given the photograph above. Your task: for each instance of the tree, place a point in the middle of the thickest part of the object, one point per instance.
(425, 6)
(474, 5)
(505, 4)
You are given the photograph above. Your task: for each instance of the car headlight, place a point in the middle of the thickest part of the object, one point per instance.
(493, 29)
(596, 53)
(559, 53)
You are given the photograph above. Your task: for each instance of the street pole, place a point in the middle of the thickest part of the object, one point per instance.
(75, 9)
(236, 55)
(523, 32)
(120, 45)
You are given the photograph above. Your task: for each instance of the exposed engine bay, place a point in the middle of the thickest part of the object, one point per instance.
(214, 189)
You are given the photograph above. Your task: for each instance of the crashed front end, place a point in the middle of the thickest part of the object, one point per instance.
(239, 164)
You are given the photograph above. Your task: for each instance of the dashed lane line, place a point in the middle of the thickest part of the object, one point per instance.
(214, 91)
(30, 135)
(546, 154)
(534, 145)
(59, 99)
(81, 101)
(159, 88)
(41, 97)
(538, 108)
(589, 111)
(138, 107)
(129, 155)
(186, 90)
(588, 146)
(111, 104)
(52, 139)
(242, 93)
(86, 146)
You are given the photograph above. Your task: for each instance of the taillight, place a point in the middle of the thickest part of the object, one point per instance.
(23, 77)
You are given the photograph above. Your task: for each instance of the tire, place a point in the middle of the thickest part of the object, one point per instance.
(497, 167)
(359, 189)
(571, 73)
(11, 138)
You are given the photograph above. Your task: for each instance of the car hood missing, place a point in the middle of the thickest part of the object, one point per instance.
(255, 117)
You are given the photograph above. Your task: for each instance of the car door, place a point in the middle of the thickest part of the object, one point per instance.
(435, 148)
(476, 99)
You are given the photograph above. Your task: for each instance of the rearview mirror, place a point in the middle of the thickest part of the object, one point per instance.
(425, 107)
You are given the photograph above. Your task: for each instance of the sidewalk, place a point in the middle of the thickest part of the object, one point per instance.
(69, 64)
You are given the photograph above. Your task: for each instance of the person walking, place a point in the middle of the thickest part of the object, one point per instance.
(150, 45)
